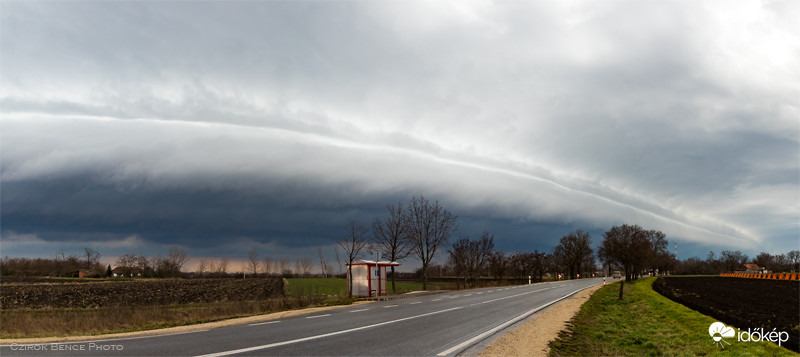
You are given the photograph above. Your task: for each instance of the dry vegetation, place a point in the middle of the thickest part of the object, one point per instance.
(84, 307)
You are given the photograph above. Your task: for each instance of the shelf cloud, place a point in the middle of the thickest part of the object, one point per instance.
(221, 127)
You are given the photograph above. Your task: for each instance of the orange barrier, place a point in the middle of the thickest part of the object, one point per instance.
(772, 276)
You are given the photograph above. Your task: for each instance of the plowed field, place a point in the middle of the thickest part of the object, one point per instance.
(93, 294)
(743, 303)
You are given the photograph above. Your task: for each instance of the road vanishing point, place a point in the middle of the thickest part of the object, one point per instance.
(442, 324)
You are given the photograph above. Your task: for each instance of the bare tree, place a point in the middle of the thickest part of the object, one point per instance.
(429, 227)
(253, 263)
(352, 244)
(267, 265)
(389, 236)
(203, 267)
(175, 260)
(222, 266)
(92, 258)
(574, 249)
(283, 267)
(323, 265)
(127, 265)
(628, 246)
(306, 264)
(338, 260)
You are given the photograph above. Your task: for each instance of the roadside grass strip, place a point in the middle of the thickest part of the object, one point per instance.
(645, 323)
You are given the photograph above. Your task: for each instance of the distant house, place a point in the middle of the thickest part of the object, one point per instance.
(119, 272)
(83, 273)
(754, 268)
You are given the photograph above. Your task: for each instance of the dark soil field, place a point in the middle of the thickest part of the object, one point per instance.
(743, 303)
(86, 293)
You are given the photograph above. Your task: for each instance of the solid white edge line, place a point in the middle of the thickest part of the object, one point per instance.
(256, 348)
(477, 338)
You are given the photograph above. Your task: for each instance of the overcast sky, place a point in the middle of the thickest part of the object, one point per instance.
(228, 126)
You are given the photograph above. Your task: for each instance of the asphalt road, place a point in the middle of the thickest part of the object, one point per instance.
(439, 324)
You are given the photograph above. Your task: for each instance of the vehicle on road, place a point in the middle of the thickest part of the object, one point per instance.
(616, 274)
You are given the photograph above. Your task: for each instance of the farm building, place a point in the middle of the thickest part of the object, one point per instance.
(369, 277)
(754, 268)
(83, 273)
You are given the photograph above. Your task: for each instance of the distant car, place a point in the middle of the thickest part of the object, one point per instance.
(616, 275)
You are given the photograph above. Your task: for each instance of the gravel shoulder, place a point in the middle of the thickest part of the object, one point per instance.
(531, 338)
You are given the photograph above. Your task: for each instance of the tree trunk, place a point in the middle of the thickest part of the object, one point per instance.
(350, 282)
(425, 277)
(621, 284)
(393, 288)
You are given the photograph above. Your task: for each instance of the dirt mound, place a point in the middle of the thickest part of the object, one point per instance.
(743, 303)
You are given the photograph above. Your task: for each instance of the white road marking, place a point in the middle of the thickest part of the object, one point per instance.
(359, 310)
(435, 299)
(256, 348)
(386, 307)
(264, 323)
(468, 295)
(416, 302)
(477, 338)
(315, 316)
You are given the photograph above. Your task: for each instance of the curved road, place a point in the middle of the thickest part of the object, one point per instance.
(432, 325)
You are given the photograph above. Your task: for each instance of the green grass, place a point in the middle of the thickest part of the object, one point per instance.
(646, 324)
(317, 286)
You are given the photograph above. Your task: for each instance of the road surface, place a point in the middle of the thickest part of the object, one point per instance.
(432, 325)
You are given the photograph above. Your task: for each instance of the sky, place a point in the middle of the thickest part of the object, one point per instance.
(225, 127)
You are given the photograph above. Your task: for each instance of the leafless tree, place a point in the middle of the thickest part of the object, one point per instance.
(92, 258)
(352, 243)
(305, 266)
(498, 265)
(469, 258)
(253, 263)
(793, 258)
(284, 267)
(222, 266)
(202, 267)
(628, 246)
(389, 236)
(574, 249)
(175, 260)
(323, 265)
(430, 226)
(338, 260)
(266, 265)
(127, 265)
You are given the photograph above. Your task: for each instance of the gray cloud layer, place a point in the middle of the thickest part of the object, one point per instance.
(198, 123)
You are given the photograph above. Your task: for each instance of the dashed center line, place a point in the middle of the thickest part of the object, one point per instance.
(315, 316)
(386, 307)
(435, 299)
(264, 323)
(359, 310)
(416, 302)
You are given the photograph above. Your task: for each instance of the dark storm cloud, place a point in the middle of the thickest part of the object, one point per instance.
(270, 124)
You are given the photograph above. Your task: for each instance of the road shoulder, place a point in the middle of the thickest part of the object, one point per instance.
(532, 336)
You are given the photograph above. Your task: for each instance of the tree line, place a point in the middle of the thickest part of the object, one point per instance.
(63, 265)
